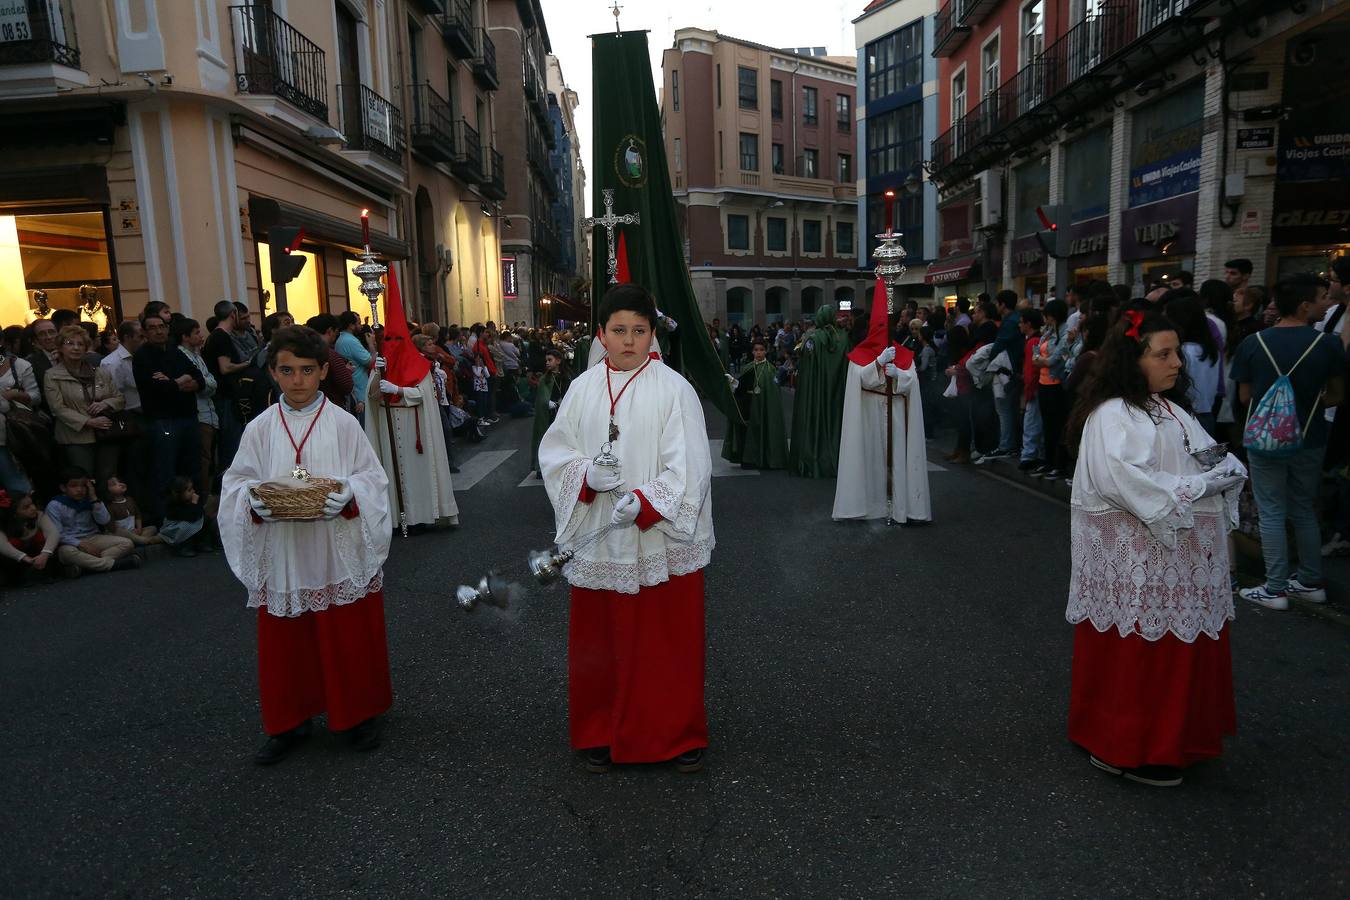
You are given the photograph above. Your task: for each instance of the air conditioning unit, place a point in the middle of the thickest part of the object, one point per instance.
(991, 199)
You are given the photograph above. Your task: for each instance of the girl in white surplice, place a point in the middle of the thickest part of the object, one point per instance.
(1149, 592)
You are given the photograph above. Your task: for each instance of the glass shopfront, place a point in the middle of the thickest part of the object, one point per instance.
(305, 297)
(57, 260)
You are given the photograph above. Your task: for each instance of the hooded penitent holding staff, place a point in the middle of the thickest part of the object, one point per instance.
(882, 459)
(404, 426)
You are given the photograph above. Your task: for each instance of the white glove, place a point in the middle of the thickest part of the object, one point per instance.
(1231, 465)
(887, 355)
(552, 405)
(337, 501)
(260, 509)
(602, 478)
(388, 387)
(1216, 482)
(892, 371)
(626, 511)
(670, 323)
(379, 363)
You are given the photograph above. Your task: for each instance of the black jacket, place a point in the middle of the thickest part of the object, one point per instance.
(163, 399)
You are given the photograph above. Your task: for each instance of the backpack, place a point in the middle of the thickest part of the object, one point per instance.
(1272, 422)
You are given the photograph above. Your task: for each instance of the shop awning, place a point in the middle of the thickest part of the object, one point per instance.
(950, 271)
(264, 212)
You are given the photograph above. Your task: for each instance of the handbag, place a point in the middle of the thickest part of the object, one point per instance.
(123, 427)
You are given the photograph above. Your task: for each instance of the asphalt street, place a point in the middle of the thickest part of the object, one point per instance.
(887, 709)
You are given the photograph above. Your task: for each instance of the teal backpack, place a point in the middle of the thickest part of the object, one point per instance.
(1272, 422)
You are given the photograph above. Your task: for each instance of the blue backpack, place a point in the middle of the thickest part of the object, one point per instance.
(1272, 422)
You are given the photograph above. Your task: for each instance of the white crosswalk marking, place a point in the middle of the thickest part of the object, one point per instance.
(934, 467)
(478, 467)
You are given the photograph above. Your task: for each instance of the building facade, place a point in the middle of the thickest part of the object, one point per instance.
(569, 208)
(1164, 135)
(897, 112)
(761, 151)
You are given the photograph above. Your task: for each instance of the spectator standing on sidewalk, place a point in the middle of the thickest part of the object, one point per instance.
(354, 350)
(225, 359)
(1286, 486)
(1202, 355)
(81, 399)
(1033, 433)
(168, 382)
(1052, 357)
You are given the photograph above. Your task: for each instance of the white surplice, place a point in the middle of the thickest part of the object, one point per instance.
(1148, 553)
(860, 491)
(428, 493)
(298, 567)
(663, 451)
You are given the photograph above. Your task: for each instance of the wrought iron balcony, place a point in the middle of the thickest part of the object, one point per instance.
(47, 36)
(494, 177)
(485, 61)
(954, 21)
(370, 122)
(457, 28)
(272, 57)
(1112, 48)
(433, 128)
(467, 162)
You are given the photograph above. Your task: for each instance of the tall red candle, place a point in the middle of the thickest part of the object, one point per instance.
(890, 200)
(365, 226)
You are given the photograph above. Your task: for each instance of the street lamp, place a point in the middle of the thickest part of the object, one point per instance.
(546, 303)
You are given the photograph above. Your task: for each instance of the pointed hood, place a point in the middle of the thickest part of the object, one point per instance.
(404, 366)
(878, 332)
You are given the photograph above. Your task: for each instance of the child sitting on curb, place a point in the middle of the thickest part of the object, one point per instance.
(83, 548)
(126, 515)
(28, 540)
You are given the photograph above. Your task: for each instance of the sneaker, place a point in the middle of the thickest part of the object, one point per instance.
(1300, 591)
(1105, 766)
(1030, 465)
(690, 761)
(1268, 599)
(131, 561)
(984, 460)
(598, 760)
(1068, 482)
(1041, 471)
(1337, 546)
(1050, 475)
(1154, 776)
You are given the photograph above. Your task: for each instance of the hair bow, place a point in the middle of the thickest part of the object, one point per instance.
(5, 502)
(1135, 318)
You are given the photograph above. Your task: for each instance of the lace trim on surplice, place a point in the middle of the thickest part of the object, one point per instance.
(648, 571)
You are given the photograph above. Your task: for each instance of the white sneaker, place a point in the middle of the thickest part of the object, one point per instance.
(1300, 591)
(1268, 599)
(1337, 546)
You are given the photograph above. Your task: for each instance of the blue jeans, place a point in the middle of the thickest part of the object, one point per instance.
(1031, 431)
(1006, 406)
(11, 476)
(176, 448)
(1286, 490)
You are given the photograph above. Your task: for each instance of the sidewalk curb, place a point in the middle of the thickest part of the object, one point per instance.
(1007, 472)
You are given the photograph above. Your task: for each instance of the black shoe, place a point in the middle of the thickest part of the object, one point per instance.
(364, 737)
(1105, 766)
(598, 760)
(1155, 776)
(689, 761)
(279, 746)
(130, 561)
(1028, 465)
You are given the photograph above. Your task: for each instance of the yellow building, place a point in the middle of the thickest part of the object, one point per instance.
(150, 146)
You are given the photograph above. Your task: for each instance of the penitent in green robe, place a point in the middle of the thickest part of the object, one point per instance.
(818, 408)
(552, 386)
(761, 443)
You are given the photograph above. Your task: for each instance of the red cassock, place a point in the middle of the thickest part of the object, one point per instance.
(1136, 702)
(635, 666)
(334, 661)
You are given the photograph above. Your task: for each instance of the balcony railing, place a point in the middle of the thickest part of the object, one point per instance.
(494, 176)
(272, 57)
(47, 35)
(457, 28)
(953, 23)
(370, 122)
(467, 162)
(433, 129)
(1120, 42)
(485, 61)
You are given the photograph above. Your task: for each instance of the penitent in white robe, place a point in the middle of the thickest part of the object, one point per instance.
(292, 568)
(860, 491)
(428, 493)
(663, 450)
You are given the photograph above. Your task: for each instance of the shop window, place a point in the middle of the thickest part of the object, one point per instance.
(57, 253)
(305, 297)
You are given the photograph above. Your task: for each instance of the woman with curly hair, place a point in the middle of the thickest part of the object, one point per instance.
(1149, 593)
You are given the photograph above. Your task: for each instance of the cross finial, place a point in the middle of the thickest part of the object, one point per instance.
(616, 9)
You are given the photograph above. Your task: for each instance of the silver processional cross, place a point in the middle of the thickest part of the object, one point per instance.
(607, 222)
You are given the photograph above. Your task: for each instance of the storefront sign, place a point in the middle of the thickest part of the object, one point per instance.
(1260, 138)
(950, 271)
(1310, 213)
(1308, 155)
(1168, 177)
(1087, 243)
(14, 21)
(1028, 257)
(1159, 229)
(509, 287)
(1165, 146)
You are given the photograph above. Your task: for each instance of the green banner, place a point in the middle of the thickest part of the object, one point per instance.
(630, 160)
